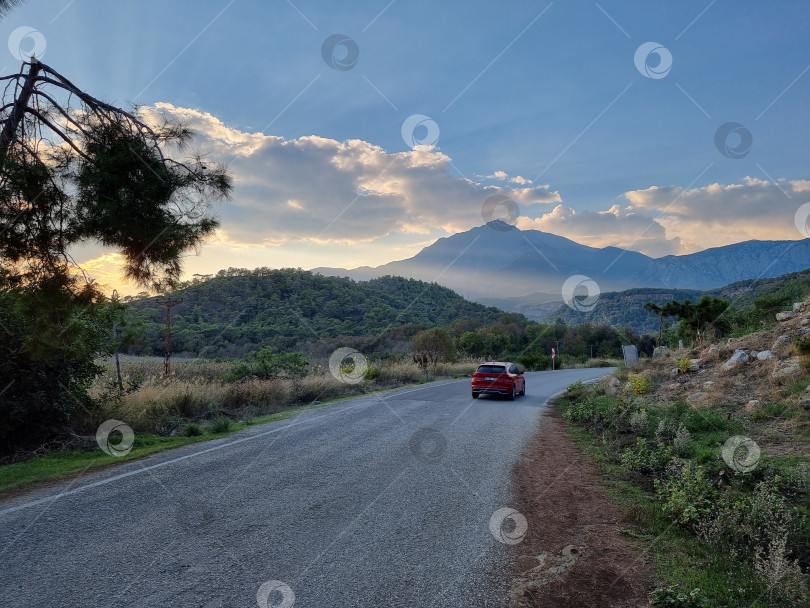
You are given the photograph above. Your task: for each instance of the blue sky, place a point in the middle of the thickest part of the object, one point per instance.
(548, 91)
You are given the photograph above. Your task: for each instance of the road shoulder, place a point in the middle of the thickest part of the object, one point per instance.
(573, 553)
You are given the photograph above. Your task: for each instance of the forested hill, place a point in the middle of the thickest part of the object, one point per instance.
(239, 310)
(626, 308)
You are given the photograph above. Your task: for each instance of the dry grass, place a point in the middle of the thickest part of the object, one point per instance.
(195, 390)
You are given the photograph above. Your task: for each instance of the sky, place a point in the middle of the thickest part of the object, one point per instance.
(360, 132)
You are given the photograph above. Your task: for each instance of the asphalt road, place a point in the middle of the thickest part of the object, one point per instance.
(382, 501)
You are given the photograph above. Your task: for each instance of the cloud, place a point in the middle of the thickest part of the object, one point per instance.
(324, 190)
(717, 214)
(624, 227)
(663, 220)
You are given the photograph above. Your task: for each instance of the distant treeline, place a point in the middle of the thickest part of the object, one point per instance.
(239, 311)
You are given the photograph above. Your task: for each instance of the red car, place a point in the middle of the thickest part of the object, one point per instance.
(498, 378)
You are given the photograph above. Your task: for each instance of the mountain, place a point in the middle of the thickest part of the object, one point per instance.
(241, 310)
(523, 270)
(618, 309)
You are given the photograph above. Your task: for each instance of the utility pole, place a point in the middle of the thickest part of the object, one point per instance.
(168, 303)
(114, 298)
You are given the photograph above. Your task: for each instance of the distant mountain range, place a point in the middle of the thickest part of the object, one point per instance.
(524, 270)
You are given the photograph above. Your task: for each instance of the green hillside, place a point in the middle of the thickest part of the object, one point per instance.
(240, 310)
(626, 308)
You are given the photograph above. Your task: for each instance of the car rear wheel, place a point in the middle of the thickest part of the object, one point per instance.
(475, 395)
(523, 390)
(513, 394)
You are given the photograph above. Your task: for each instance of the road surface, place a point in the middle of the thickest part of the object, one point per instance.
(384, 500)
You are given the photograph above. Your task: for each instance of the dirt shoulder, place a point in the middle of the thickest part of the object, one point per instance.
(573, 554)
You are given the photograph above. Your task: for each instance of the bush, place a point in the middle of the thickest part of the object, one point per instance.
(268, 365)
(640, 383)
(675, 597)
(598, 410)
(640, 422)
(686, 497)
(220, 424)
(644, 460)
(372, 373)
(192, 429)
(48, 346)
(535, 362)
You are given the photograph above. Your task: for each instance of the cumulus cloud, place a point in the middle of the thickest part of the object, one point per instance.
(624, 227)
(663, 220)
(717, 214)
(329, 191)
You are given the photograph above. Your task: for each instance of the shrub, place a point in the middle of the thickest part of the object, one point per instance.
(644, 460)
(372, 372)
(640, 383)
(220, 424)
(192, 429)
(640, 422)
(600, 410)
(686, 497)
(534, 362)
(675, 597)
(683, 365)
(268, 365)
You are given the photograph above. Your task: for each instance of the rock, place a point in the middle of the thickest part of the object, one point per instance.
(765, 355)
(752, 405)
(708, 384)
(799, 306)
(739, 356)
(804, 400)
(753, 354)
(680, 345)
(674, 372)
(781, 341)
(804, 330)
(696, 396)
(785, 316)
(612, 385)
(787, 367)
(707, 351)
(805, 321)
(694, 367)
(660, 351)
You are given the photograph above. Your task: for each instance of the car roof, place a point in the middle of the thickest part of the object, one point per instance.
(504, 363)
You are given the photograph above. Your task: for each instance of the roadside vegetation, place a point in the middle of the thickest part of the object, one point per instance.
(715, 484)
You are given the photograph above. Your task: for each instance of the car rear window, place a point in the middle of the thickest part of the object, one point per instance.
(491, 369)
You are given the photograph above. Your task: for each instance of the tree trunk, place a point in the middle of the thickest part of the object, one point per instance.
(9, 133)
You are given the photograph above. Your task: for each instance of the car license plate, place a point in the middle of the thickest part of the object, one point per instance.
(489, 378)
